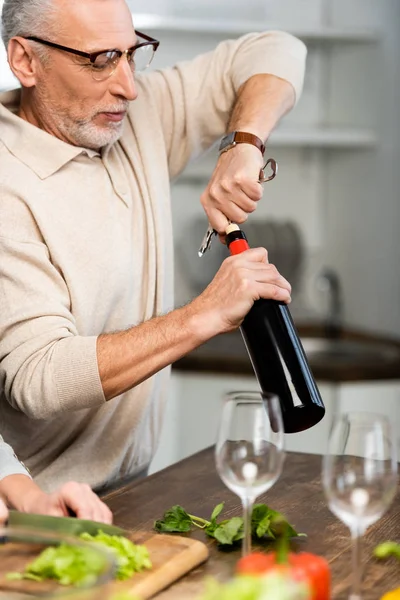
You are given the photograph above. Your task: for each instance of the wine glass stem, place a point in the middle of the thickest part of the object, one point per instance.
(356, 563)
(247, 511)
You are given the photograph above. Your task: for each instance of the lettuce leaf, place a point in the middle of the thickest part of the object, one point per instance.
(273, 586)
(81, 565)
(131, 558)
(69, 565)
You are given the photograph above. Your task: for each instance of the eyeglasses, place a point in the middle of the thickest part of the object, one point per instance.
(103, 63)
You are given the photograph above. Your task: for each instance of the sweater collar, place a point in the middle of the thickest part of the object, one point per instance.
(40, 151)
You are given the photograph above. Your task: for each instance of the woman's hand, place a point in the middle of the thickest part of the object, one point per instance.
(25, 495)
(3, 513)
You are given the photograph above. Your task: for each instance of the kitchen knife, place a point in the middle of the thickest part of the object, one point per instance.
(66, 525)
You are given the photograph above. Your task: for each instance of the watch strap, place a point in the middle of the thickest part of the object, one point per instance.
(241, 137)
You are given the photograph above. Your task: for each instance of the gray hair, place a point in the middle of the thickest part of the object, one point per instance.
(27, 17)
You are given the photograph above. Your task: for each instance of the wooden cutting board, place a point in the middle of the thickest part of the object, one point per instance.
(171, 556)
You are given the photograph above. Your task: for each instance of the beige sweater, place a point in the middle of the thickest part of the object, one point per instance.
(86, 248)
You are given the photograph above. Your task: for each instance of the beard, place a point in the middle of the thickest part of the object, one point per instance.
(66, 124)
(87, 134)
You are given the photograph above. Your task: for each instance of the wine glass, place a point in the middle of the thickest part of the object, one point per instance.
(249, 451)
(359, 475)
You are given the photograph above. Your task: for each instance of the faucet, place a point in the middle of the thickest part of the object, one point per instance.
(328, 280)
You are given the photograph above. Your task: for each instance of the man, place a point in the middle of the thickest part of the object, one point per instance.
(18, 490)
(88, 149)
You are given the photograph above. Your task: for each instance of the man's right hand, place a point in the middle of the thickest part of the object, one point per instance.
(240, 281)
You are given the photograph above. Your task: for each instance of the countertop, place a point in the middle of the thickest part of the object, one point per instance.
(226, 354)
(194, 484)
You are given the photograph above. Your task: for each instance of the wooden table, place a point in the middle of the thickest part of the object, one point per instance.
(195, 485)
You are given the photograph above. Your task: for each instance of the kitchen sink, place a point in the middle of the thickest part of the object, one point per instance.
(345, 351)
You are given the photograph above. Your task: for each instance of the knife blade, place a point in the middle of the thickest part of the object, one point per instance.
(67, 525)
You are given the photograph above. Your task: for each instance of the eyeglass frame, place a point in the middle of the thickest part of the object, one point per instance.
(93, 55)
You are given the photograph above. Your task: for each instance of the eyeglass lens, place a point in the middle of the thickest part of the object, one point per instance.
(106, 63)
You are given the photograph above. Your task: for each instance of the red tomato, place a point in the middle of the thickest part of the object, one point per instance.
(253, 564)
(301, 567)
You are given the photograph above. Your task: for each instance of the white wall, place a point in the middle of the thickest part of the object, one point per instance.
(345, 201)
(363, 201)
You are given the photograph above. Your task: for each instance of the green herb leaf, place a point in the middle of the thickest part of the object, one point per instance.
(265, 522)
(260, 521)
(175, 519)
(213, 525)
(217, 511)
(229, 531)
(278, 523)
(263, 528)
(386, 549)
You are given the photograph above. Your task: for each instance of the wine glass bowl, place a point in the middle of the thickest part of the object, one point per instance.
(242, 467)
(360, 469)
(359, 475)
(249, 451)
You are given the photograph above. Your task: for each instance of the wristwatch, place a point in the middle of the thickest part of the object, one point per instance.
(240, 137)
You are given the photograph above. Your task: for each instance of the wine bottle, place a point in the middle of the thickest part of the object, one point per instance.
(277, 356)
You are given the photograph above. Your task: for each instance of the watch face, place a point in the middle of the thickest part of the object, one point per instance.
(228, 140)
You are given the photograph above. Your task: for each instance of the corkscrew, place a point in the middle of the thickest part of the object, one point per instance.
(262, 178)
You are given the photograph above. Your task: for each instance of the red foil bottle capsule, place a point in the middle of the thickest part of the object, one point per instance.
(277, 355)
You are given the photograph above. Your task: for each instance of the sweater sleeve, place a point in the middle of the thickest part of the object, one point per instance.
(194, 99)
(9, 463)
(42, 355)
